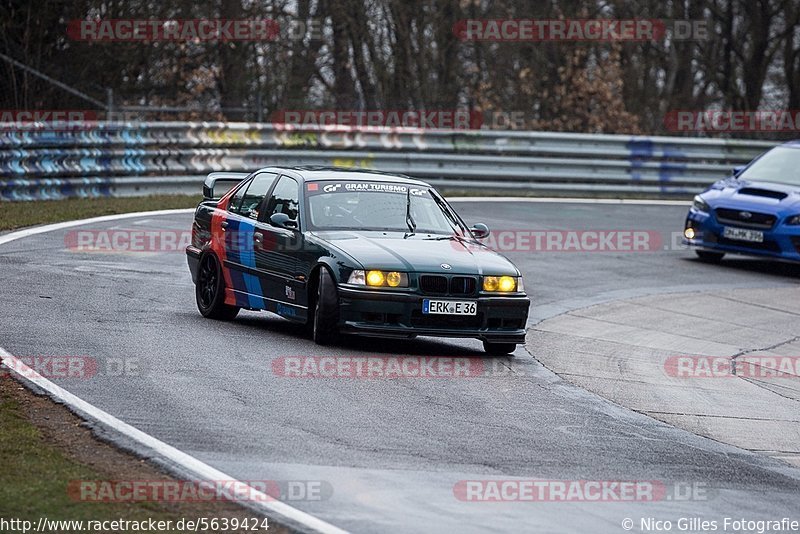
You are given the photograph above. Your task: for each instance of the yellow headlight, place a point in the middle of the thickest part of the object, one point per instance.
(490, 283)
(393, 279)
(689, 233)
(507, 283)
(375, 278)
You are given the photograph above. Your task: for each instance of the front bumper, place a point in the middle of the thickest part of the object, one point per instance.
(499, 319)
(780, 242)
(193, 259)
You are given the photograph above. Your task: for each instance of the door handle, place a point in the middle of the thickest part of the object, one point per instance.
(224, 225)
(258, 237)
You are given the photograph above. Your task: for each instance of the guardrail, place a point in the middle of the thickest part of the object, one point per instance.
(126, 159)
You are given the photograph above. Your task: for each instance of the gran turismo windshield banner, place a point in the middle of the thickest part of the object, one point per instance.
(313, 188)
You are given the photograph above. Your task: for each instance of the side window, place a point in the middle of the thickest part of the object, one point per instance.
(236, 199)
(285, 199)
(255, 193)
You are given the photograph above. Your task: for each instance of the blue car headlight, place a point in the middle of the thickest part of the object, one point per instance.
(700, 205)
(793, 221)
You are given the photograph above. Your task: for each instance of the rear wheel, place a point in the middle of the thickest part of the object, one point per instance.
(210, 291)
(326, 310)
(498, 349)
(709, 257)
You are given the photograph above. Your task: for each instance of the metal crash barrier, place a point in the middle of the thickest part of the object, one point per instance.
(134, 159)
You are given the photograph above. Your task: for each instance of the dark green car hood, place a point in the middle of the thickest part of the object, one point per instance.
(390, 251)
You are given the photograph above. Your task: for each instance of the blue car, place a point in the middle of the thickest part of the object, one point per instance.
(755, 212)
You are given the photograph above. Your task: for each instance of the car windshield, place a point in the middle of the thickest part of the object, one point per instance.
(781, 165)
(375, 206)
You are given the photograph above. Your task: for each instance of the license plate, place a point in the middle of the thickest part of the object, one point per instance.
(449, 307)
(743, 234)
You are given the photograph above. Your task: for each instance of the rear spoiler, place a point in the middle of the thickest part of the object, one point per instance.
(219, 183)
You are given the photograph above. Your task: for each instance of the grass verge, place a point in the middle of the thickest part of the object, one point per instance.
(19, 214)
(43, 447)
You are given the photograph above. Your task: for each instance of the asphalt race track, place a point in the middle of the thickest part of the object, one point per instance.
(389, 452)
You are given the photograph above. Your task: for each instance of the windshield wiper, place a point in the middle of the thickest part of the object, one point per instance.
(451, 219)
(443, 238)
(412, 226)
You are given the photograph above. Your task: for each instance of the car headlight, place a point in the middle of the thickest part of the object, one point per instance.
(700, 205)
(502, 284)
(375, 278)
(794, 221)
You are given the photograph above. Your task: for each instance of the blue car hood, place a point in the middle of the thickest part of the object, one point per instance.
(766, 197)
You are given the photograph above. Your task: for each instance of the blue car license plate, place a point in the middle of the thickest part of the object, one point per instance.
(743, 234)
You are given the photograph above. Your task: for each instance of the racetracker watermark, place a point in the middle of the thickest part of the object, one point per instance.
(602, 30)
(378, 118)
(542, 240)
(154, 241)
(47, 119)
(122, 240)
(377, 367)
(730, 121)
(141, 30)
(198, 491)
(70, 367)
(126, 241)
(762, 367)
(543, 490)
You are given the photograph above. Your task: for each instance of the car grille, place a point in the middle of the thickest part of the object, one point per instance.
(501, 323)
(796, 243)
(434, 284)
(762, 221)
(770, 246)
(767, 245)
(421, 320)
(462, 285)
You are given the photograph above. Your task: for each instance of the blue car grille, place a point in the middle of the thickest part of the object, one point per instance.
(767, 245)
(745, 218)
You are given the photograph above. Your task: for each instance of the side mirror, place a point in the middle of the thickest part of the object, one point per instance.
(480, 231)
(737, 170)
(281, 220)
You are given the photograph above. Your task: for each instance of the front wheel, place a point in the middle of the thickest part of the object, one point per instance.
(499, 349)
(209, 291)
(709, 257)
(326, 310)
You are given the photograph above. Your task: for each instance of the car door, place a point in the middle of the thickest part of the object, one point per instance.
(276, 247)
(243, 213)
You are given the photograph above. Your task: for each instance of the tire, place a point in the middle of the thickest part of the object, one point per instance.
(209, 291)
(709, 257)
(498, 349)
(326, 310)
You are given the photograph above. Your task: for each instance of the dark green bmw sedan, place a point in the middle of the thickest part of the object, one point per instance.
(351, 251)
